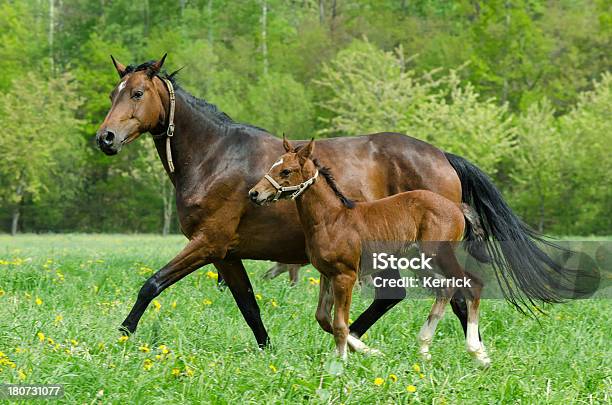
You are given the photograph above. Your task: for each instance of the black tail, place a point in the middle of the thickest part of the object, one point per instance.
(509, 244)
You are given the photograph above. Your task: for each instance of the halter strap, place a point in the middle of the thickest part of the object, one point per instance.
(170, 131)
(298, 189)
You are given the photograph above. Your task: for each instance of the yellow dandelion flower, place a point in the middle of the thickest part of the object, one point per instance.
(416, 368)
(58, 318)
(411, 388)
(38, 301)
(421, 375)
(378, 381)
(50, 341)
(156, 305)
(123, 339)
(273, 368)
(314, 281)
(1, 292)
(393, 377)
(73, 342)
(164, 349)
(212, 274)
(258, 297)
(206, 301)
(41, 336)
(101, 346)
(158, 357)
(144, 348)
(173, 305)
(176, 372)
(21, 374)
(274, 303)
(148, 363)
(189, 371)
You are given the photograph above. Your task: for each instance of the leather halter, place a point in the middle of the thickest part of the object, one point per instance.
(170, 130)
(297, 189)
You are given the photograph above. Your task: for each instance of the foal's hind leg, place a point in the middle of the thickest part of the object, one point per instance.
(428, 329)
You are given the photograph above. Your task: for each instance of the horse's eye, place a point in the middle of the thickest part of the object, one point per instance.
(137, 94)
(285, 172)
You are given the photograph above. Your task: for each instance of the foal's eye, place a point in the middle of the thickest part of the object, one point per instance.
(285, 172)
(137, 94)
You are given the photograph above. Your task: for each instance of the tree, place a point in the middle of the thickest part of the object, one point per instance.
(40, 138)
(373, 91)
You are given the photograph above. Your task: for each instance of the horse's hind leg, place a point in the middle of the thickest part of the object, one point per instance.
(426, 333)
(473, 343)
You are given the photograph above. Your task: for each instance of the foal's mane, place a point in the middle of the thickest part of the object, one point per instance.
(199, 104)
(329, 177)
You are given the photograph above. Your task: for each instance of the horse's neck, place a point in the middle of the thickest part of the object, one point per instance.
(194, 136)
(317, 204)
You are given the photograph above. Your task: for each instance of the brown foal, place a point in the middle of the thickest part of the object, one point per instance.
(336, 229)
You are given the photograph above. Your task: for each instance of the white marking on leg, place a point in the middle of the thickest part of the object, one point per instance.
(358, 346)
(473, 344)
(426, 333)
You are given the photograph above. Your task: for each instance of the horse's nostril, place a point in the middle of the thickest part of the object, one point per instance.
(108, 138)
(253, 194)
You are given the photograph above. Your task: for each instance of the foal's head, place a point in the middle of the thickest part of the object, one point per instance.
(136, 108)
(292, 169)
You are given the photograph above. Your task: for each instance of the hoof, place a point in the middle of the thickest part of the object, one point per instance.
(356, 345)
(126, 330)
(426, 356)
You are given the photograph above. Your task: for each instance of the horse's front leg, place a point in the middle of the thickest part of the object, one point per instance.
(326, 303)
(236, 278)
(192, 257)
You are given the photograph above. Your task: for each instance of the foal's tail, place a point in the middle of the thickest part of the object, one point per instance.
(499, 237)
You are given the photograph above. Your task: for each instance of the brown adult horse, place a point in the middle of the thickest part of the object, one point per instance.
(337, 228)
(213, 161)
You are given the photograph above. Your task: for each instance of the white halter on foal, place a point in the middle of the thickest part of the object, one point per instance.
(297, 189)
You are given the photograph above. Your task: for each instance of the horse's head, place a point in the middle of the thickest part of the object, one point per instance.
(137, 105)
(288, 177)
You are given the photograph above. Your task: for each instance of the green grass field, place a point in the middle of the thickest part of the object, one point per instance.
(63, 297)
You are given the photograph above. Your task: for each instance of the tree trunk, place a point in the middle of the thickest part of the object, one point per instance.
(168, 208)
(264, 35)
(321, 12)
(210, 23)
(15, 221)
(51, 29)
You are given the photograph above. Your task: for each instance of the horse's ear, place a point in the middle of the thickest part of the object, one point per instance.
(156, 67)
(286, 144)
(119, 66)
(306, 151)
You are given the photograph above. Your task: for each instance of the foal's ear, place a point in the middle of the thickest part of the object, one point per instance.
(119, 66)
(156, 67)
(286, 144)
(306, 151)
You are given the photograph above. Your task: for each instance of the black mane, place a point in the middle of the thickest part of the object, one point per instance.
(329, 177)
(211, 110)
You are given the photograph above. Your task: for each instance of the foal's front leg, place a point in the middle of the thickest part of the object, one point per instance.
(342, 286)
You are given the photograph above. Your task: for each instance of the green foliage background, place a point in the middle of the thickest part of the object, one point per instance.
(520, 87)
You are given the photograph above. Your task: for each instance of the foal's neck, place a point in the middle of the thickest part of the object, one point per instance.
(318, 202)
